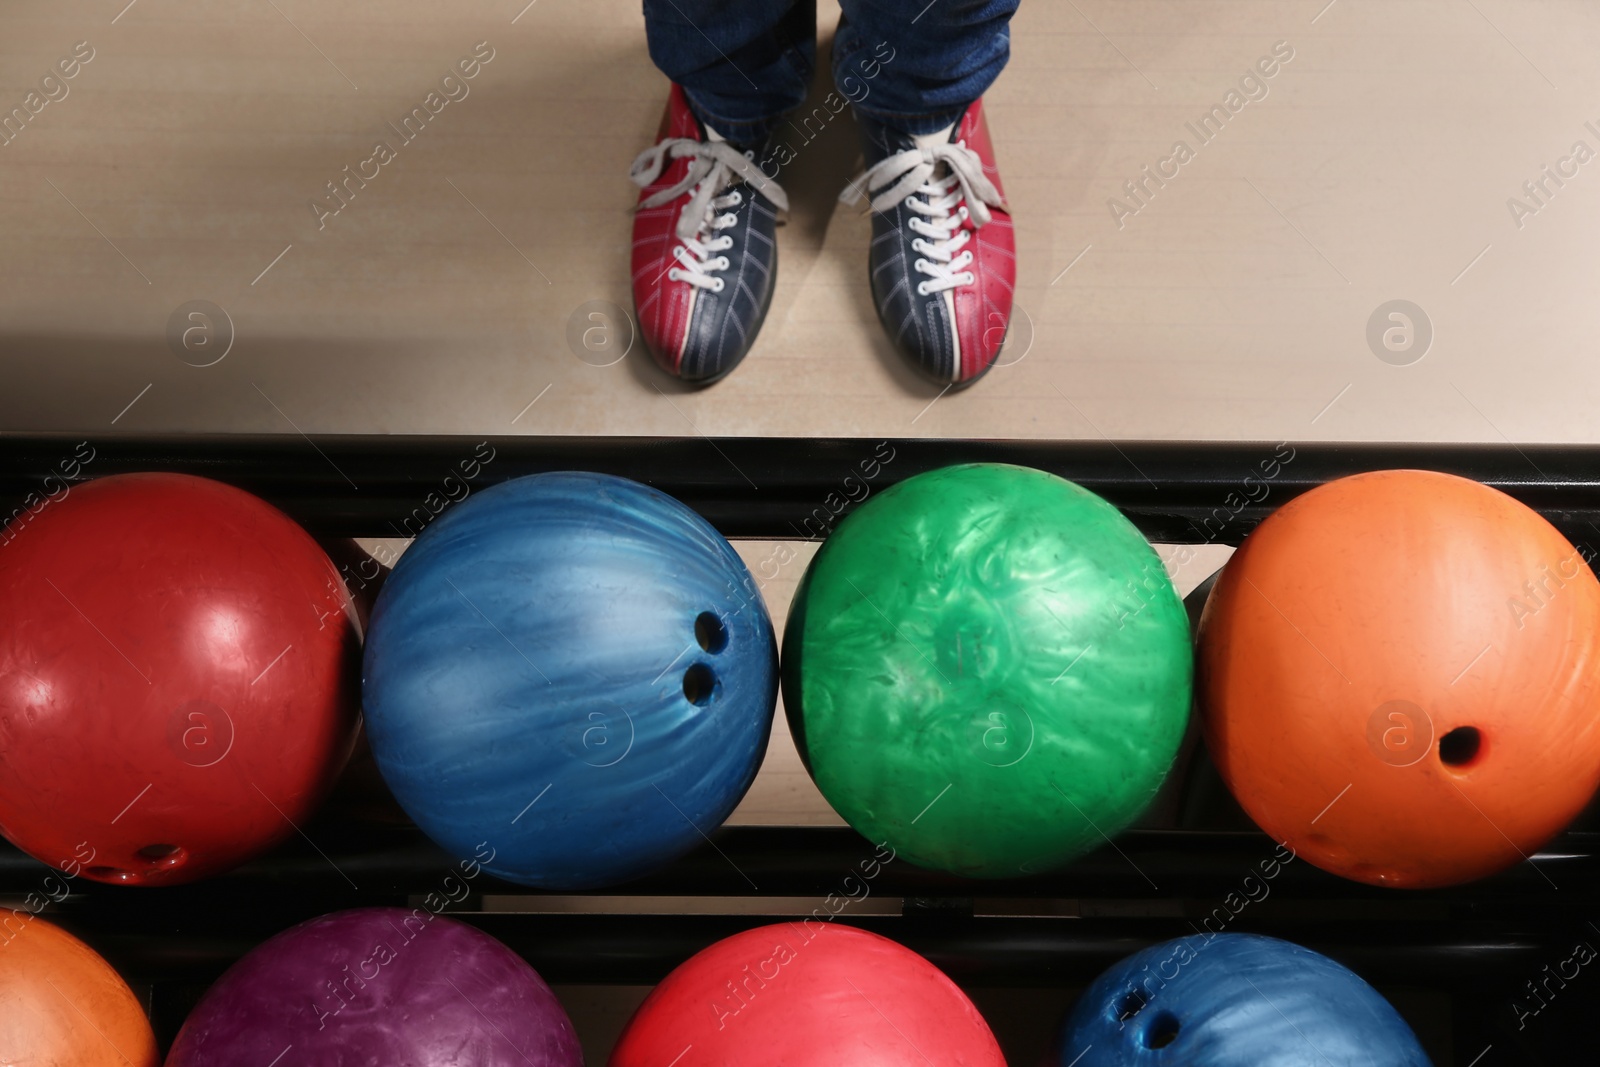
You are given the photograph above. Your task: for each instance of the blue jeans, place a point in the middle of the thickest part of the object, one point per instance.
(910, 64)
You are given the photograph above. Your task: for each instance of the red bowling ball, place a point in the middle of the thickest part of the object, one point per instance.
(807, 994)
(179, 679)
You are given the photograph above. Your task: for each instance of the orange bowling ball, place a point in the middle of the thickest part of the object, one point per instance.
(1398, 673)
(61, 1005)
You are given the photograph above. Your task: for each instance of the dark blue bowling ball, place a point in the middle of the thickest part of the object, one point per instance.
(569, 678)
(1234, 1000)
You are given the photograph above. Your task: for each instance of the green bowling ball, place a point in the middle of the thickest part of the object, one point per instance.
(987, 668)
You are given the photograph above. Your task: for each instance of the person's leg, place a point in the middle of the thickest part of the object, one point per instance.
(742, 63)
(705, 232)
(915, 65)
(943, 256)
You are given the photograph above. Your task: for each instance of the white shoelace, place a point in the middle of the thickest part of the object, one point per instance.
(946, 186)
(714, 166)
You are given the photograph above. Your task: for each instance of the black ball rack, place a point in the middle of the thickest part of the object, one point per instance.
(1484, 971)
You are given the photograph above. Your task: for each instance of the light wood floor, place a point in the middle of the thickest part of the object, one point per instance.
(1234, 304)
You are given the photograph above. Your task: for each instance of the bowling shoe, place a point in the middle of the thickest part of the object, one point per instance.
(705, 256)
(943, 257)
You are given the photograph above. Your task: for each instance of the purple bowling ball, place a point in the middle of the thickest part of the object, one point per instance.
(379, 987)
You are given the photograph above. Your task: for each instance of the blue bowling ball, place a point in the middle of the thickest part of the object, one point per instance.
(570, 679)
(1234, 1000)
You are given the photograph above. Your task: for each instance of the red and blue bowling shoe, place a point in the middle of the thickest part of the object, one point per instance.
(944, 259)
(705, 257)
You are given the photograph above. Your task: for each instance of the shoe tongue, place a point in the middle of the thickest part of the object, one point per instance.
(715, 137)
(753, 150)
(933, 140)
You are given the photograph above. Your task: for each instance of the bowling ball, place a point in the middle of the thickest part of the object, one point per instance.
(573, 671)
(62, 1005)
(1399, 678)
(379, 986)
(1234, 1000)
(807, 995)
(987, 668)
(179, 666)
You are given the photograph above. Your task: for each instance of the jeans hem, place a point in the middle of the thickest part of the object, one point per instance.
(916, 123)
(745, 132)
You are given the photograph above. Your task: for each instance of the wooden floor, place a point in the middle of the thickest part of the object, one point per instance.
(1231, 302)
